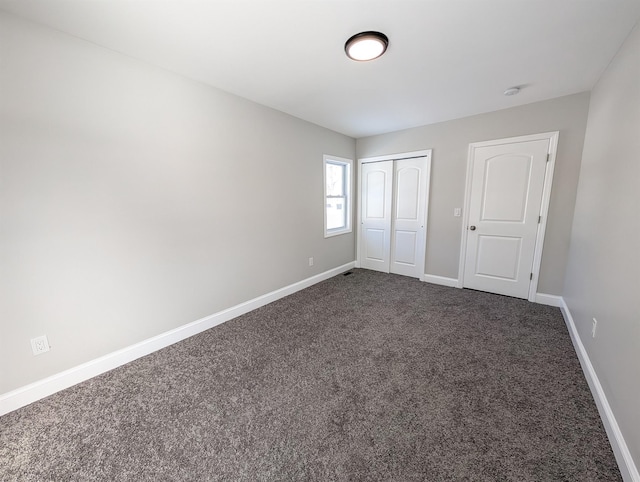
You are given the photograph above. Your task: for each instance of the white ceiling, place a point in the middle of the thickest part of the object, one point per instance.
(447, 58)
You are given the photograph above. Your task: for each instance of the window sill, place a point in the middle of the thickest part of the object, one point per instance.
(330, 234)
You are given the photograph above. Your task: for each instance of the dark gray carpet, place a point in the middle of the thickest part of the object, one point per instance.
(361, 377)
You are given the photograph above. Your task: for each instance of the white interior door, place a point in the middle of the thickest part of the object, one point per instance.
(408, 228)
(507, 181)
(375, 207)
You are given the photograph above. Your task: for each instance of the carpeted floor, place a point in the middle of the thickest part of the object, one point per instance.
(361, 377)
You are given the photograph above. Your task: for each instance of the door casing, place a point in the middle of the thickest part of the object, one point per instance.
(544, 208)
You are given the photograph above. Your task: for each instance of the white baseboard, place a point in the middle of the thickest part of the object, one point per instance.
(550, 300)
(440, 280)
(627, 466)
(20, 397)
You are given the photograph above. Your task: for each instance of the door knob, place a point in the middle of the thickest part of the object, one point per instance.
(472, 228)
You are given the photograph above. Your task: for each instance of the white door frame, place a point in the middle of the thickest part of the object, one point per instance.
(394, 157)
(544, 208)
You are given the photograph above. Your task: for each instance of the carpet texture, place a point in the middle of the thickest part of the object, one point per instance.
(361, 377)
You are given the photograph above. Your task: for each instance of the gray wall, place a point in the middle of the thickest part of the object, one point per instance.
(134, 200)
(604, 262)
(450, 142)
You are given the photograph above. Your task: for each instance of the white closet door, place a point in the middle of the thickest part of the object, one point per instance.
(376, 203)
(408, 229)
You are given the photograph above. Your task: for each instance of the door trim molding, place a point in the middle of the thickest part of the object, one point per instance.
(396, 157)
(544, 208)
(392, 157)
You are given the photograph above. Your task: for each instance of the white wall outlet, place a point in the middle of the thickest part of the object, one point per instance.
(310, 261)
(40, 345)
(593, 328)
(457, 212)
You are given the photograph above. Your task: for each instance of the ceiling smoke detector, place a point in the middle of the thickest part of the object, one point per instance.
(512, 91)
(365, 46)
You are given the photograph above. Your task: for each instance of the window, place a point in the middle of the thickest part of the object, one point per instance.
(337, 196)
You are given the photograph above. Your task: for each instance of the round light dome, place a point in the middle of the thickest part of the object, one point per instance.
(365, 46)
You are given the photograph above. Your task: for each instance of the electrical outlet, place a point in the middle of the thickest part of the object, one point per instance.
(310, 261)
(40, 345)
(593, 328)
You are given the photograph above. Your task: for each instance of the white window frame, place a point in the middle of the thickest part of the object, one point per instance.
(348, 163)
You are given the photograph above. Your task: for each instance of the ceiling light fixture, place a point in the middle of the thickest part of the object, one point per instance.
(512, 91)
(365, 46)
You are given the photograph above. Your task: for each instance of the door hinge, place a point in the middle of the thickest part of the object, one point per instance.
(539, 219)
(530, 276)
(548, 156)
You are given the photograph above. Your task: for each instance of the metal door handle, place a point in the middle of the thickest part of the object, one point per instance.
(472, 228)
